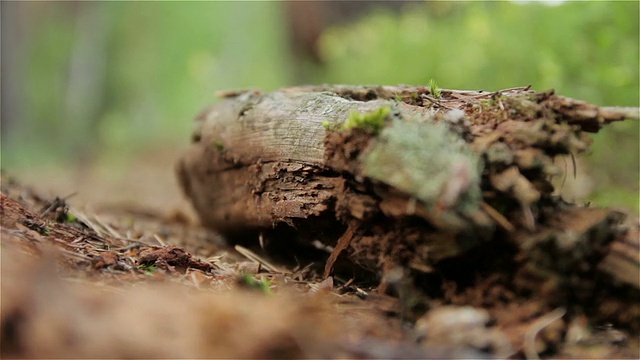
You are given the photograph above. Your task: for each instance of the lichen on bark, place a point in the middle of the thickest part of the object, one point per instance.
(428, 162)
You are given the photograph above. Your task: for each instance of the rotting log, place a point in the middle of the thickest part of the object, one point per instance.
(399, 176)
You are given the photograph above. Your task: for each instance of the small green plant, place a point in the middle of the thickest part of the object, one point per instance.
(218, 145)
(69, 218)
(373, 120)
(434, 89)
(330, 126)
(44, 229)
(148, 268)
(263, 285)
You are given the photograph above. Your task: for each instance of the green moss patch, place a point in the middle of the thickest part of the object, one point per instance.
(373, 120)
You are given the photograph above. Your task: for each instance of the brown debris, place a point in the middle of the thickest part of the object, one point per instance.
(91, 312)
(172, 258)
(45, 316)
(463, 326)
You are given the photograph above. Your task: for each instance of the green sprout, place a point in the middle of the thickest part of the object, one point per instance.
(44, 229)
(148, 268)
(434, 89)
(70, 218)
(218, 145)
(373, 120)
(263, 285)
(328, 125)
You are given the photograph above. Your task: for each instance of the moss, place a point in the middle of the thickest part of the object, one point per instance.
(487, 104)
(329, 126)
(373, 120)
(434, 89)
(521, 107)
(428, 162)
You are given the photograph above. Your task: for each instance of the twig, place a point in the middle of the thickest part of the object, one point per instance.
(629, 113)
(529, 219)
(529, 346)
(575, 166)
(110, 229)
(521, 88)
(134, 244)
(497, 217)
(259, 260)
(494, 93)
(564, 175)
(81, 256)
(159, 239)
(91, 224)
(341, 245)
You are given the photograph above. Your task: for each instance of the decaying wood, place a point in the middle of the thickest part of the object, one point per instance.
(622, 262)
(444, 174)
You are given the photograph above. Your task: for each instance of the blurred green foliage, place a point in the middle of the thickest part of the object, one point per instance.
(163, 61)
(584, 50)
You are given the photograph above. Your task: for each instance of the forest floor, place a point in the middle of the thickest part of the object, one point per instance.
(127, 272)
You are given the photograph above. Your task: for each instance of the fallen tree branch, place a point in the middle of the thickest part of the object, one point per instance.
(425, 177)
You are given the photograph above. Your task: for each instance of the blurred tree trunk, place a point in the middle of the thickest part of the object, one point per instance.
(14, 32)
(86, 86)
(307, 20)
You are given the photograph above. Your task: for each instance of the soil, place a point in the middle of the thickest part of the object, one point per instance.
(144, 279)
